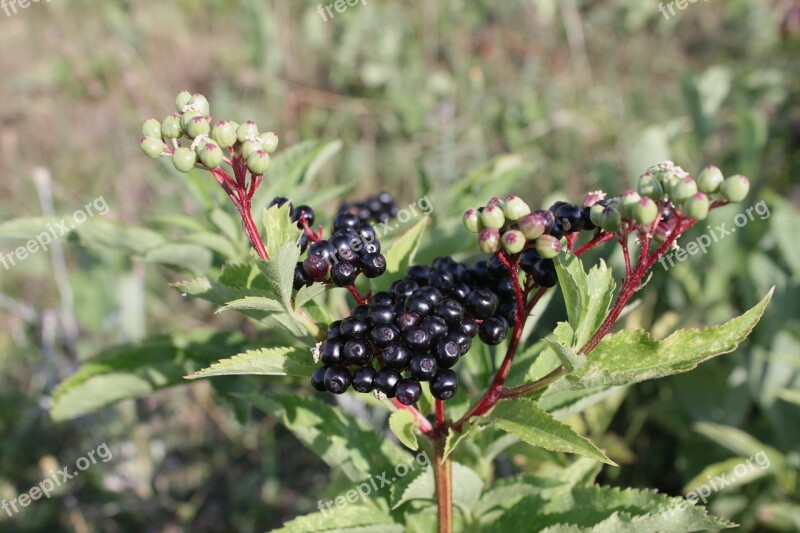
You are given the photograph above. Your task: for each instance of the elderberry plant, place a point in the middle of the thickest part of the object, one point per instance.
(444, 347)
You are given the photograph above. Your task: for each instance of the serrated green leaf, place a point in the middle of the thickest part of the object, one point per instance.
(279, 271)
(634, 356)
(254, 303)
(343, 442)
(400, 255)
(566, 355)
(305, 294)
(280, 230)
(587, 296)
(402, 424)
(284, 361)
(136, 370)
(527, 422)
(350, 518)
(454, 438)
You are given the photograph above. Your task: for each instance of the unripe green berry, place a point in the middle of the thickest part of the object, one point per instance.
(270, 141)
(199, 103)
(548, 246)
(210, 154)
(515, 208)
(188, 117)
(513, 241)
(645, 212)
(610, 220)
(182, 100)
(683, 190)
(184, 159)
(258, 162)
(650, 187)
(471, 221)
(248, 147)
(489, 241)
(696, 207)
(494, 200)
(248, 129)
(171, 127)
(596, 213)
(197, 126)
(153, 147)
(628, 202)
(151, 128)
(709, 180)
(532, 225)
(224, 133)
(492, 217)
(735, 188)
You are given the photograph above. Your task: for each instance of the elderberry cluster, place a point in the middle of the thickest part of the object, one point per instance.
(417, 331)
(353, 249)
(378, 208)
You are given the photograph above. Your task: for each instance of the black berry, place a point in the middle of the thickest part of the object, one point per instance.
(444, 384)
(482, 303)
(408, 391)
(337, 379)
(423, 367)
(493, 330)
(318, 379)
(386, 382)
(363, 379)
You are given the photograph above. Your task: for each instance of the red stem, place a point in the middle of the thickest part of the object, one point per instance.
(441, 419)
(357, 295)
(424, 424)
(241, 198)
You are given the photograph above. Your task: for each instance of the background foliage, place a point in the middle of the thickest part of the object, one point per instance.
(457, 100)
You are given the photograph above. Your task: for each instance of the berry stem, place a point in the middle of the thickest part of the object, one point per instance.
(443, 475)
(424, 424)
(241, 198)
(441, 419)
(599, 238)
(357, 295)
(533, 386)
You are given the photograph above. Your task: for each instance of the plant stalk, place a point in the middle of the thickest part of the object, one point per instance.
(443, 475)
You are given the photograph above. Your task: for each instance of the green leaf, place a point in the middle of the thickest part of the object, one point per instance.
(740, 442)
(587, 296)
(400, 255)
(402, 424)
(279, 271)
(254, 303)
(107, 235)
(634, 356)
(790, 395)
(308, 293)
(454, 438)
(139, 369)
(566, 355)
(527, 422)
(343, 442)
(191, 257)
(467, 488)
(726, 470)
(284, 361)
(280, 230)
(347, 518)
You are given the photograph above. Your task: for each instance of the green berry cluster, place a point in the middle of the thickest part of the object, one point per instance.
(207, 142)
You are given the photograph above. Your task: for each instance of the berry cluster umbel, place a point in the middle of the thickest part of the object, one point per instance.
(378, 208)
(417, 331)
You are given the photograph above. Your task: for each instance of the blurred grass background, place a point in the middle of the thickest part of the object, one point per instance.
(563, 97)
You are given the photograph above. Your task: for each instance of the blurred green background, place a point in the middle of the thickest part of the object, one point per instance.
(549, 99)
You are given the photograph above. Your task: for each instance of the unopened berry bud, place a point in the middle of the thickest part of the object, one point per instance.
(151, 128)
(650, 187)
(513, 241)
(258, 162)
(596, 213)
(199, 103)
(735, 188)
(471, 221)
(153, 147)
(610, 220)
(197, 126)
(182, 100)
(515, 208)
(494, 200)
(188, 117)
(682, 190)
(709, 180)
(270, 141)
(224, 133)
(532, 225)
(627, 203)
(210, 154)
(184, 159)
(248, 147)
(696, 207)
(645, 212)
(489, 241)
(492, 217)
(548, 246)
(171, 127)
(248, 129)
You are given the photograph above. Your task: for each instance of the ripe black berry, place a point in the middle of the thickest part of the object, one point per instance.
(396, 356)
(435, 325)
(306, 212)
(423, 367)
(570, 216)
(322, 249)
(381, 298)
(381, 314)
(279, 201)
(318, 379)
(343, 274)
(432, 294)
(444, 384)
(482, 303)
(366, 233)
(408, 391)
(493, 330)
(337, 379)
(301, 279)
(418, 339)
(418, 273)
(442, 280)
(496, 268)
(373, 264)
(386, 381)
(447, 352)
(508, 310)
(384, 334)
(334, 331)
(345, 220)
(529, 258)
(587, 221)
(315, 266)
(544, 273)
(357, 352)
(360, 312)
(407, 320)
(363, 379)
(464, 341)
(330, 352)
(353, 327)
(469, 326)
(419, 303)
(460, 291)
(404, 288)
(451, 311)
(505, 287)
